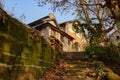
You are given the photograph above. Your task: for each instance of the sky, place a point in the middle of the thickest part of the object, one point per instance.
(33, 12)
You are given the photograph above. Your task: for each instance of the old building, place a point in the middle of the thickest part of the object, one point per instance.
(79, 42)
(50, 30)
(63, 36)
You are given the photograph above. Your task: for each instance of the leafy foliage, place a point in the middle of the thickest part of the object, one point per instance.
(93, 15)
(110, 53)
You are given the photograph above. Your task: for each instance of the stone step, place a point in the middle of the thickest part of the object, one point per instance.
(79, 62)
(80, 65)
(76, 56)
(83, 64)
(72, 70)
(80, 71)
(75, 74)
(79, 77)
(75, 78)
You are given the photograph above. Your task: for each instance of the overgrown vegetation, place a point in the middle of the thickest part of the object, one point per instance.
(106, 54)
(100, 70)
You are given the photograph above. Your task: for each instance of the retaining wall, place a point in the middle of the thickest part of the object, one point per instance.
(24, 54)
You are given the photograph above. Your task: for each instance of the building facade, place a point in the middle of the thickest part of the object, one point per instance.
(79, 42)
(61, 35)
(49, 29)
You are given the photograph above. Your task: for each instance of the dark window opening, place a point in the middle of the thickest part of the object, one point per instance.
(69, 42)
(117, 37)
(62, 38)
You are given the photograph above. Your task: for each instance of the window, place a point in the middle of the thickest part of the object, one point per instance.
(53, 33)
(76, 46)
(62, 38)
(117, 37)
(69, 42)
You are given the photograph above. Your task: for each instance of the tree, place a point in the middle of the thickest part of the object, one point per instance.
(96, 16)
(114, 6)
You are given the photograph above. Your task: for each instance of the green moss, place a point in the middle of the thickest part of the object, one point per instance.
(47, 57)
(16, 50)
(14, 72)
(36, 53)
(4, 49)
(2, 38)
(42, 57)
(3, 27)
(4, 73)
(26, 55)
(18, 32)
(39, 71)
(15, 29)
(112, 75)
(17, 47)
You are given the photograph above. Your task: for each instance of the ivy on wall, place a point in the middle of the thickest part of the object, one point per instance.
(23, 57)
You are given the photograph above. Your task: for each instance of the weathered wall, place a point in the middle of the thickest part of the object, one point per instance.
(24, 54)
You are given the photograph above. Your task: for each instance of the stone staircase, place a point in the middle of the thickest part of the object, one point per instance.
(75, 56)
(79, 67)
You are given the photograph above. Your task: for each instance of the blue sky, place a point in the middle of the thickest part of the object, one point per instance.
(32, 12)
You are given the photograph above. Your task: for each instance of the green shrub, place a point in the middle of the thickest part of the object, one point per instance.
(109, 53)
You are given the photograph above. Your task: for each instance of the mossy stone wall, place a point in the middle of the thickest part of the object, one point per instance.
(23, 56)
